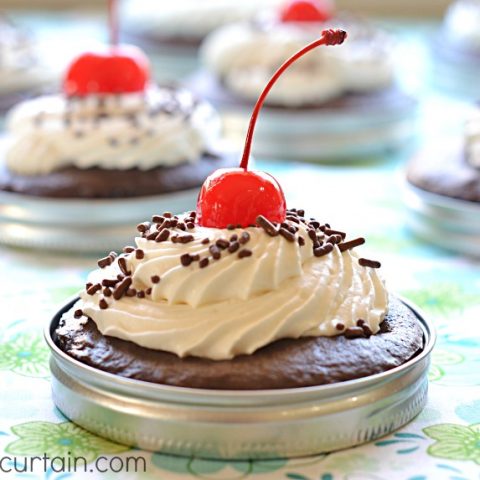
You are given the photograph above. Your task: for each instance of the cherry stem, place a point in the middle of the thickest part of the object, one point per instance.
(113, 22)
(329, 37)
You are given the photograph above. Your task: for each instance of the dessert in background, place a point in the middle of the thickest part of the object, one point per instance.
(110, 132)
(22, 70)
(110, 139)
(337, 102)
(443, 191)
(451, 169)
(242, 293)
(173, 31)
(456, 50)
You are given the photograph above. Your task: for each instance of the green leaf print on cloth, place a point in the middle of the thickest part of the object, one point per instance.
(205, 468)
(441, 359)
(65, 440)
(455, 442)
(442, 298)
(26, 354)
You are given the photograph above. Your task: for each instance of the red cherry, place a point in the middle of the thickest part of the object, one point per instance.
(306, 11)
(237, 196)
(119, 69)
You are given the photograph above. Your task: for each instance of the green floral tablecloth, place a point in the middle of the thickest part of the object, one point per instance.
(443, 442)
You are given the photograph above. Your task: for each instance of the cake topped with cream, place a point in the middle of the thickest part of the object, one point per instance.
(111, 116)
(244, 55)
(237, 274)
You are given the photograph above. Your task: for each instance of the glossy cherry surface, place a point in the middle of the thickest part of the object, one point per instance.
(237, 196)
(306, 11)
(118, 69)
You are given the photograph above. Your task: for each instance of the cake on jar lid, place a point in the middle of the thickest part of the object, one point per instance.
(452, 168)
(336, 103)
(241, 294)
(23, 71)
(443, 191)
(111, 132)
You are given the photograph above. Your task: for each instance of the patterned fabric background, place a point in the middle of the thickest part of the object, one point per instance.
(442, 443)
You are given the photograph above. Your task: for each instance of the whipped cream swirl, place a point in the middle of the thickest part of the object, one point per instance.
(259, 289)
(244, 56)
(161, 127)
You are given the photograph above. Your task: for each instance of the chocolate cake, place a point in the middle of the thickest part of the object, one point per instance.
(71, 182)
(287, 363)
(446, 171)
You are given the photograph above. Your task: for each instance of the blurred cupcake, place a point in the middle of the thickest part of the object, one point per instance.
(444, 191)
(22, 72)
(111, 134)
(457, 49)
(337, 102)
(173, 32)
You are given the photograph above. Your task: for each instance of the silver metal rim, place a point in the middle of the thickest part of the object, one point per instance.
(81, 225)
(450, 223)
(233, 424)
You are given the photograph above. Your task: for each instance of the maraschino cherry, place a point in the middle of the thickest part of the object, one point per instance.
(117, 69)
(306, 11)
(237, 196)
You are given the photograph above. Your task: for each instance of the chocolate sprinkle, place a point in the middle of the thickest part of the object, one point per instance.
(222, 243)
(365, 262)
(94, 289)
(186, 259)
(140, 294)
(244, 253)
(244, 238)
(233, 247)
(340, 326)
(205, 241)
(323, 250)
(139, 254)
(287, 234)
(162, 236)
(215, 251)
(107, 292)
(329, 231)
(301, 241)
(143, 227)
(351, 244)
(122, 288)
(107, 282)
(104, 262)
(155, 279)
(103, 304)
(334, 239)
(203, 262)
(354, 332)
(78, 313)
(268, 226)
(122, 263)
(128, 249)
